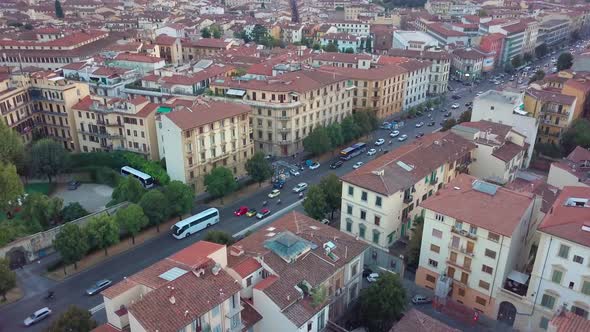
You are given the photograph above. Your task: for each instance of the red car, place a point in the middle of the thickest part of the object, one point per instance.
(241, 211)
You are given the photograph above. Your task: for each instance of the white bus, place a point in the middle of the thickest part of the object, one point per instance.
(146, 180)
(195, 223)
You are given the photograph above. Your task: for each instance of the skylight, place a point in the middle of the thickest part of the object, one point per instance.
(172, 274)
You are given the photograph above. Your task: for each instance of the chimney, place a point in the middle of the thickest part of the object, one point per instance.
(172, 299)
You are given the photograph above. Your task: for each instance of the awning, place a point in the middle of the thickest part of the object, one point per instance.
(520, 278)
(236, 92)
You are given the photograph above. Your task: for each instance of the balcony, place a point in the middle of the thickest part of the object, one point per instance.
(284, 118)
(463, 267)
(464, 233)
(555, 111)
(101, 134)
(50, 113)
(433, 182)
(516, 284)
(408, 199)
(460, 249)
(284, 130)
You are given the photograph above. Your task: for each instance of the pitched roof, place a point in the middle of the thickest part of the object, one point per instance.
(204, 112)
(549, 96)
(579, 154)
(247, 267)
(106, 328)
(459, 199)
(569, 322)
(207, 43)
(566, 221)
(341, 57)
(508, 151)
(410, 163)
(138, 58)
(300, 81)
(415, 320)
(380, 73)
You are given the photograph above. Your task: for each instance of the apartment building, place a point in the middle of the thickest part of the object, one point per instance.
(440, 66)
(18, 110)
(501, 150)
(187, 291)
(507, 108)
(554, 110)
(417, 82)
(571, 83)
(554, 32)
(109, 124)
(282, 264)
(513, 42)
(469, 249)
(102, 80)
(361, 61)
(287, 108)
(144, 64)
(381, 89)
(413, 40)
(531, 34)
(446, 36)
(195, 136)
(467, 63)
(493, 43)
(559, 282)
(353, 27)
(344, 42)
(571, 171)
(380, 199)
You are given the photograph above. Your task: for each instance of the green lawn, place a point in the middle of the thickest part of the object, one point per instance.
(44, 188)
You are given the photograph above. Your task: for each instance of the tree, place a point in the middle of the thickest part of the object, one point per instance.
(539, 75)
(482, 13)
(516, 61)
(259, 33)
(464, 117)
(132, 220)
(48, 158)
(448, 124)
(74, 319)
(331, 47)
(315, 204)
(383, 302)
(128, 189)
(7, 278)
(578, 134)
(216, 31)
(220, 182)
(332, 188)
(103, 231)
(565, 61)
(156, 207)
(413, 249)
(73, 211)
(335, 134)
(317, 142)
(528, 57)
(71, 244)
(41, 211)
(349, 50)
(11, 145)
(316, 46)
(350, 129)
(258, 168)
(541, 50)
(220, 237)
(369, 45)
(180, 198)
(367, 121)
(205, 33)
(11, 187)
(59, 12)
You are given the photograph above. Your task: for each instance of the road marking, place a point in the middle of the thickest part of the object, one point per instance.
(96, 309)
(267, 220)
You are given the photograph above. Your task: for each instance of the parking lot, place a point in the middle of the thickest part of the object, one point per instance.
(91, 196)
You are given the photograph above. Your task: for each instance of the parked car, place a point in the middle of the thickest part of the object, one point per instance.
(300, 187)
(241, 211)
(448, 114)
(468, 104)
(380, 141)
(73, 185)
(431, 123)
(419, 124)
(274, 193)
(336, 164)
(358, 164)
(251, 213)
(385, 125)
(325, 221)
(373, 277)
(455, 106)
(314, 165)
(394, 133)
(263, 213)
(278, 184)
(37, 316)
(456, 97)
(421, 299)
(372, 152)
(294, 172)
(402, 138)
(99, 286)
(366, 272)
(419, 134)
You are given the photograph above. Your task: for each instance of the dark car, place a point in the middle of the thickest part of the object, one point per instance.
(278, 184)
(336, 164)
(431, 123)
(73, 185)
(468, 104)
(418, 135)
(456, 97)
(448, 114)
(442, 110)
(98, 287)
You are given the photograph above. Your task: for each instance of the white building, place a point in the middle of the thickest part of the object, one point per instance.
(413, 40)
(417, 82)
(211, 10)
(571, 170)
(505, 107)
(354, 28)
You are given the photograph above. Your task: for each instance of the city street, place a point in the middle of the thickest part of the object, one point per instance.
(71, 291)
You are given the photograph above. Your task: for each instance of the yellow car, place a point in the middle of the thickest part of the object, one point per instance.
(274, 193)
(251, 213)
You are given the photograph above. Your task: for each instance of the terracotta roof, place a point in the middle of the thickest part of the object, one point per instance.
(204, 112)
(84, 104)
(417, 321)
(536, 184)
(138, 100)
(548, 96)
(514, 28)
(423, 156)
(426, 55)
(500, 213)
(565, 221)
(138, 58)
(508, 151)
(471, 54)
(147, 110)
(381, 73)
(301, 81)
(249, 315)
(579, 154)
(314, 266)
(440, 30)
(75, 65)
(193, 256)
(207, 43)
(412, 65)
(569, 322)
(247, 267)
(339, 36)
(106, 328)
(341, 57)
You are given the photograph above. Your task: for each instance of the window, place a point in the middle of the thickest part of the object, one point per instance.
(376, 235)
(363, 215)
(556, 277)
(484, 285)
(578, 259)
(491, 254)
(544, 323)
(249, 281)
(378, 201)
(364, 196)
(377, 220)
(432, 263)
(563, 251)
(458, 225)
(430, 278)
(322, 320)
(348, 226)
(579, 311)
(439, 217)
(216, 328)
(472, 230)
(487, 269)
(362, 231)
(349, 209)
(309, 325)
(480, 301)
(548, 301)
(436, 233)
(355, 269)
(215, 311)
(586, 287)
(461, 291)
(350, 191)
(435, 248)
(493, 237)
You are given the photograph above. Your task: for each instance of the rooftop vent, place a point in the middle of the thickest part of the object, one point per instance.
(484, 187)
(236, 250)
(577, 202)
(199, 272)
(380, 172)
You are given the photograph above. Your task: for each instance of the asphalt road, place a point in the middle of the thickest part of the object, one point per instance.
(71, 291)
